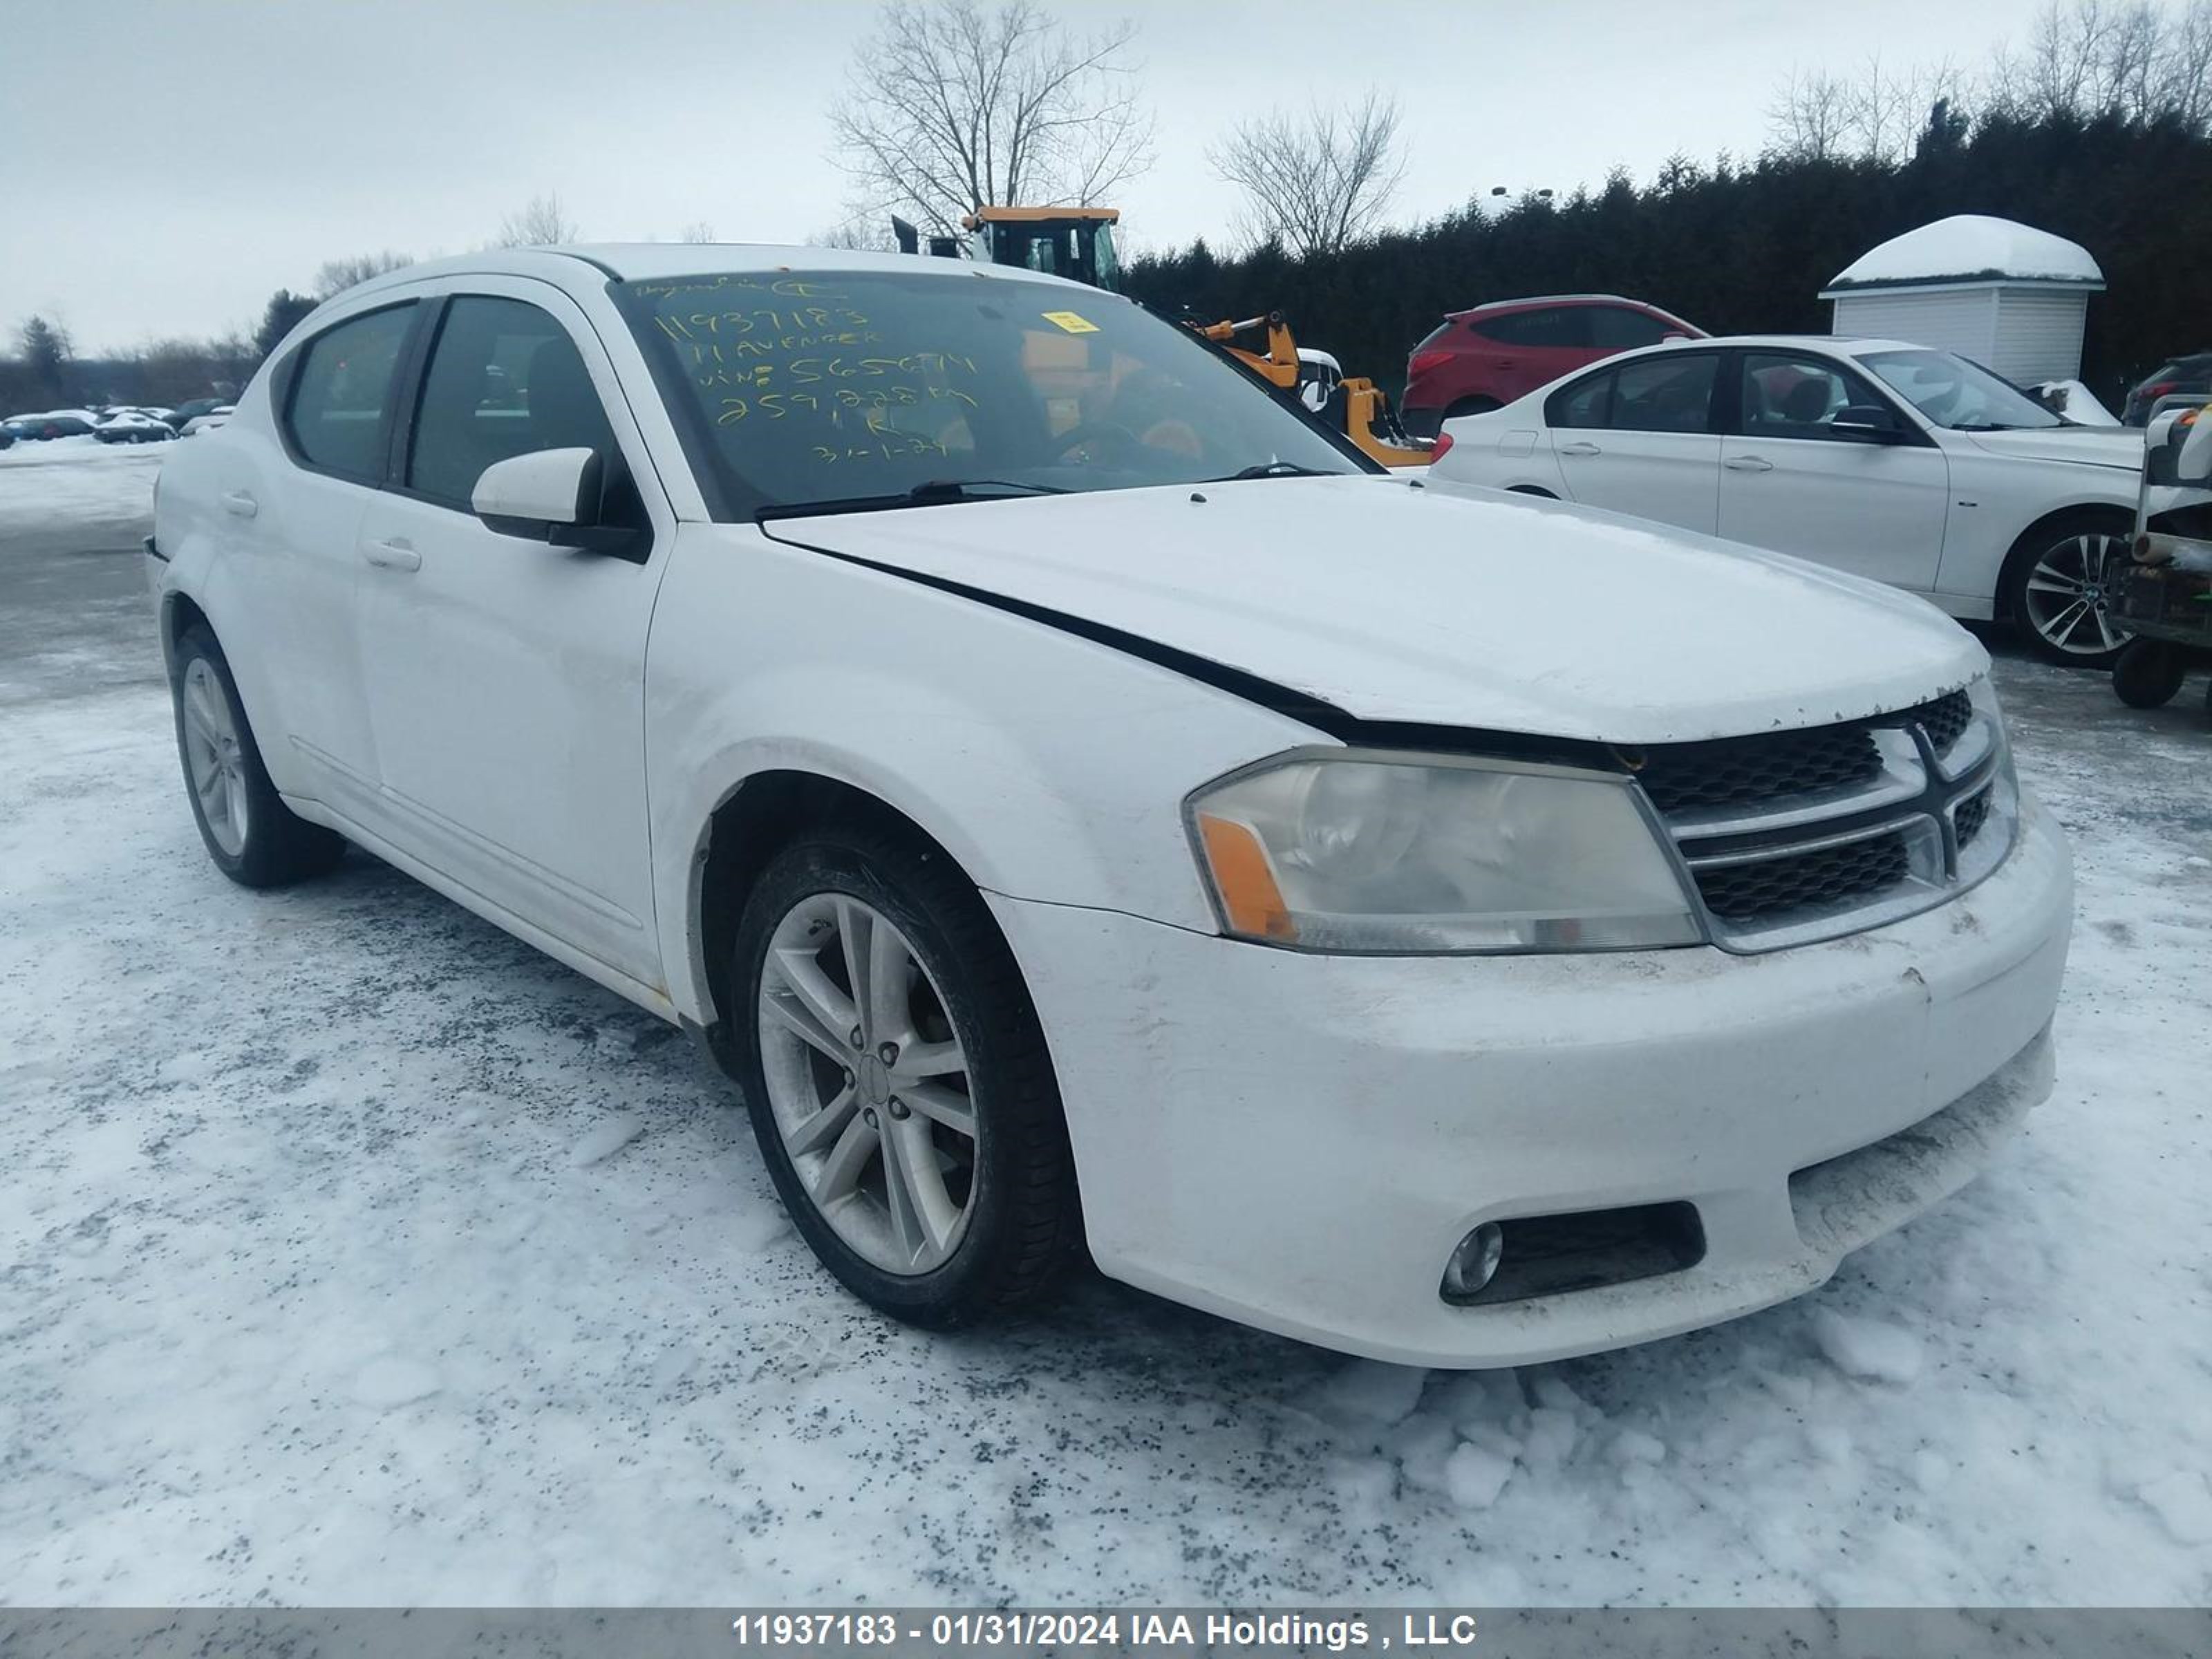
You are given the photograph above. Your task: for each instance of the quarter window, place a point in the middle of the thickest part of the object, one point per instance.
(1587, 403)
(342, 392)
(504, 379)
(1664, 393)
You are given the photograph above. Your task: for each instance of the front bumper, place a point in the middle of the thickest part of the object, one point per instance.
(1298, 1142)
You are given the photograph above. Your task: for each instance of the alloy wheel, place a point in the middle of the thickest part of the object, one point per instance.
(867, 1079)
(214, 757)
(2069, 595)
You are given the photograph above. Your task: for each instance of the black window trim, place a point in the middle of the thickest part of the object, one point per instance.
(286, 385)
(414, 381)
(1730, 402)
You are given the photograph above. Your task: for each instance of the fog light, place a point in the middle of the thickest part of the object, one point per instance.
(1475, 1263)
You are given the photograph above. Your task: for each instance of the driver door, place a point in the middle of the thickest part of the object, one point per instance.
(505, 677)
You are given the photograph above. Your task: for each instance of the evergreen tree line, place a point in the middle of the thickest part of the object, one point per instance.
(1739, 247)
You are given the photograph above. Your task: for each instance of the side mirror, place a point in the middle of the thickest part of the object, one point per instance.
(1867, 423)
(549, 496)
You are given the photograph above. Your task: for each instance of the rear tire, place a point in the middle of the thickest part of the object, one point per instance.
(2057, 587)
(2147, 673)
(940, 1067)
(252, 836)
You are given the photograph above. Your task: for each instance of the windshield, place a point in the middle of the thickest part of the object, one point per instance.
(793, 388)
(1954, 392)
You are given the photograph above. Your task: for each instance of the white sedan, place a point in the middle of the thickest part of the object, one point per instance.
(1912, 467)
(1082, 804)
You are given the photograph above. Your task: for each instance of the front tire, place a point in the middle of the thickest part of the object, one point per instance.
(2058, 587)
(252, 836)
(898, 1078)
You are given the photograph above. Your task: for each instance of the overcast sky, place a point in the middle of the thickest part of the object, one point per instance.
(167, 165)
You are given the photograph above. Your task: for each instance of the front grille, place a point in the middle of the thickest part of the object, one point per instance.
(1794, 836)
(1831, 876)
(1944, 719)
(1971, 816)
(1742, 771)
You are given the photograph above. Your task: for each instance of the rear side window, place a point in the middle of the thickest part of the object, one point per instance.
(1587, 403)
(505, 379)
(1619, 328)
(342, 393)
(1664, 394)
(1547, 325)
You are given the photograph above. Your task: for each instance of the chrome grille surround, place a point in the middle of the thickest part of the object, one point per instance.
(1926, 809)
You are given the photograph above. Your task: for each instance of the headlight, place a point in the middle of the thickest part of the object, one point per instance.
(1426, 855)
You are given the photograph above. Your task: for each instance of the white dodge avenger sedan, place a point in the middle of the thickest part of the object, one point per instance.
(1084, 805)
(1912, 467)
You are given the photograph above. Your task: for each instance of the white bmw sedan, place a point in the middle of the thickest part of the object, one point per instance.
(1082, 804)
(1915, 467)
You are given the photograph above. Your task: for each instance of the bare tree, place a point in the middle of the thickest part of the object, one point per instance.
(1812, 114)
(2124, 59)
(540, 224)
(950, 107)
(338, 275)
(1317, 180)
(697, 231)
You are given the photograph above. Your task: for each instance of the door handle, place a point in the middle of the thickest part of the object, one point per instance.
(394, 555)
(1748, 463)
(238, 504)
(1580, 448)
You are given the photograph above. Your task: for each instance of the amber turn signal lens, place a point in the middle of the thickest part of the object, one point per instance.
(1249, 897)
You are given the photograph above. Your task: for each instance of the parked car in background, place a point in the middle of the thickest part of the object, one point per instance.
(7, 437)
(59, 423)
(1912, 467)
(1529, 934)
(185, 412)
(1486, 357)
(208, 419)
(2187, 375)
(129, 426)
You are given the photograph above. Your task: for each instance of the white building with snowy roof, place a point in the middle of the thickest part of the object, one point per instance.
(2009, 296)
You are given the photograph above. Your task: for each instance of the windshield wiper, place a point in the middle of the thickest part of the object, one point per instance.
(1277, 470)
(936, 492)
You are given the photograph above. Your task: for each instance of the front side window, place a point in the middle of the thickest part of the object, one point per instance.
(1665, 393)
(1549, 326)
(1788, 395)
(795, 390)
(504, 379)
(341, 392)
(1617, 328)
(1951, 392)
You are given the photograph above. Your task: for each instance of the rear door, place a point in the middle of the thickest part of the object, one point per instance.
(1640, 438)
(506, 676)
(1790, 482)
(295, 517)
(1520, 350)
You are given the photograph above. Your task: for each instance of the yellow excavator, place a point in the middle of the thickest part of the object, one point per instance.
(1078, 242)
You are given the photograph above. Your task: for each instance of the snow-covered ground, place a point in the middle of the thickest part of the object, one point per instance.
(77, 479)
(350, 1252)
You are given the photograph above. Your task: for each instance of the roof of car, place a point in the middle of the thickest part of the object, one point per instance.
(644, 261)
(1554, 300)
(1850, 345)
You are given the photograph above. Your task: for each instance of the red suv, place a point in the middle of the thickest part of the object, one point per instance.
(1488, 357)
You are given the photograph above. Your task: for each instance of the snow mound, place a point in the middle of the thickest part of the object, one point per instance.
(1474, 1476)
(1969, 245)
(1867, 1348)
(1369, 1394)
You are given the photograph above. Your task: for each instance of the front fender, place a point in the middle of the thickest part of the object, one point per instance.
(1051, 767)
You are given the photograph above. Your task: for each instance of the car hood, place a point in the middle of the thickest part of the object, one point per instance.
(1443, 604)
(2086, 445)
